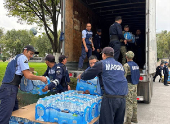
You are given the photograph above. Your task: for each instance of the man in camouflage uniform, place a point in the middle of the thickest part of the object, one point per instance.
(132, 75)
(123, 48)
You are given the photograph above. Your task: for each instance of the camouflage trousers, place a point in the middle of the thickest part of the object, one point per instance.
(131, 102)
(123, 52)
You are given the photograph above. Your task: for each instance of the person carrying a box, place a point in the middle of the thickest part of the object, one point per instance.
(158, 72)
(111, 77)
(16, 69)
(92, 60)
(57, 73)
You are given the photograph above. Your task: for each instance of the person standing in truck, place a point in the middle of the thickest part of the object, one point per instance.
(158, 72)
(16, 69)
(87, 45)
(132, 75)
(140, 48)
(57, 73)
(166, 73)
(115, 89)
(116, 35)
(123, 48)
(97, 42)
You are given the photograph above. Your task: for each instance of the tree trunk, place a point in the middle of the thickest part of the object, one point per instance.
(56, 56)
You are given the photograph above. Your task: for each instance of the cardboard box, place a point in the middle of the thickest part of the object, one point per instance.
(28, 112)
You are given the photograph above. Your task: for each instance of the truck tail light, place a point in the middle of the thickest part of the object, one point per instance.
(70, 75)
(140, 98)
(141, 78)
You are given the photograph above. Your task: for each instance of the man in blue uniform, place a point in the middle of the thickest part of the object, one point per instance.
(166, 73)
(158, 72)
(140, 48)
(116, 35)
(16, 68)
(97, 42)
(87, 45)
(111, 76)
(57, 73)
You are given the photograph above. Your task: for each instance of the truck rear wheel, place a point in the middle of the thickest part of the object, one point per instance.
(148, 94)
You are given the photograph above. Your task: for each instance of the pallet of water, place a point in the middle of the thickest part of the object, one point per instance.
(69, 107)
(90, 85)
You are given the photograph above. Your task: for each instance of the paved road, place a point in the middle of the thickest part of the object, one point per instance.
(158, 111)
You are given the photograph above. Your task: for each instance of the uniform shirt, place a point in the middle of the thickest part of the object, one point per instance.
(56, 73)
(165, 70)
(22, 64)
(96, 41)
(87, 35)
(127, 69)
(116, 29)
(113, 85)
(139, 41)
(84, 34)
(132, 72)
(159, 69)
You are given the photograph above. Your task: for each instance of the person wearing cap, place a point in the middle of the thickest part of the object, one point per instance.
(116, 36)
(111, 77)
(97, 42)
(130, 45)
(87, 45)
(123, 48)
(16, 68)
(158, 72)
(166, 73)
(132, 75)
(57, 73)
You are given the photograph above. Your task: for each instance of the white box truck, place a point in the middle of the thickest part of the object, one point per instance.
(138, 14)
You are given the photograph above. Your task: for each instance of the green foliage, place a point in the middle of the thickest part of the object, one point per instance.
(3, 59)
(14, 41)
(1, 32)
(163, 44)
(42, 44)
(42, 12)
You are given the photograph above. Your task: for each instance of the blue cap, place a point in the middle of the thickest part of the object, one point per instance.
(99, 30)
(166, 62)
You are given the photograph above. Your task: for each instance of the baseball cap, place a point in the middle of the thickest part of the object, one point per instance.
(31, 48)
(61, 58)
(108, 50)
(130, 55)
(126, 26)
(166, 62)
(50, 58)
(99, 30)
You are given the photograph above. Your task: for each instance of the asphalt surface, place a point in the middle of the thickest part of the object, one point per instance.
(158, 111)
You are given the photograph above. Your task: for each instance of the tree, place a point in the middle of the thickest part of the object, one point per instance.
(43, 45)
(14, 41)
(163, 43)
(42, 12)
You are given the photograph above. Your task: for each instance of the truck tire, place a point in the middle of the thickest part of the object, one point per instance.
(148, 94)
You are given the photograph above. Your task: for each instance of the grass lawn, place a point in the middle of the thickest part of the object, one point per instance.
(38, 67)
